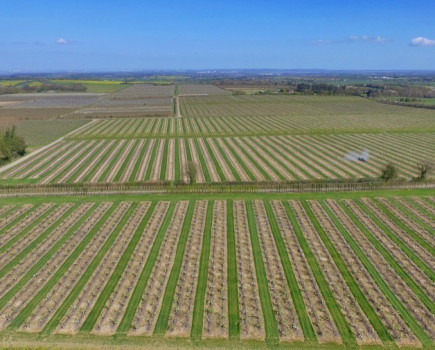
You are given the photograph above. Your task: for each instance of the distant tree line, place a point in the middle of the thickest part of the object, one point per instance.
(407, 95)
(11, 146)
(323, 89)
(27, 88)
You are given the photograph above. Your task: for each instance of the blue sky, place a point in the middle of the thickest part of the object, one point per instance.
(101, 35)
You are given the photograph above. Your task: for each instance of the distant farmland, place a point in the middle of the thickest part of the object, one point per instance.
(182, 215)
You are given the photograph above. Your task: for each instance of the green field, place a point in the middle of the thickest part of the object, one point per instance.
(95, 86)
(225, 159)
(38, 133)
(92, 86)
(177, 236)
(180, 254)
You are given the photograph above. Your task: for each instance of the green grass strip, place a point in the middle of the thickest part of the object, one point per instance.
(136, 129)
(76, 290)
(162, 126)
(40, 165)
(112, 163)
(239, 160)
(417, 238)
(392, 298)
(360, 297)
(233, 294)
(27, 229)
(319, 152)
(153, 126)
(227, 161)
(420, 208)
(168, 298)
(188, 153)
(135, 298)
(310, 155)
(99, 163)
(27, 249)
(266, 161)
(152, 160)
(388, 257)
(215, 162)
(126, 161)
(198, 310)
(139, 159)
(302, 157)
(253, 161)
(18, 218)
(55, 278)
(8, 212)
(427, 271)
(202, 161)
(72, 164)
(92, 318)
(343, 328)
(41, 263)
(292, 282)
(270, 323)
(284, 153)
(272, 153)
(414, 218)
(82, 167)
(164, 164)
(177, 161)
(428, 202)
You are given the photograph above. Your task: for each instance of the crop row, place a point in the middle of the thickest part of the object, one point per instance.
(228, 125)
(331, 271)
(142, 91)
(245, 159)
(315, 112)
(52, 100)
(201, 89)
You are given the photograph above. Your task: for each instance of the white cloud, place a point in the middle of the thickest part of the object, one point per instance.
(323, 42)
(353, 38)
(422, 42)
(369, 39)
(62, 41)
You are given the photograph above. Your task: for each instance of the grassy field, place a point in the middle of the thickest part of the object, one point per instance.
(96, 86)
(92, 86)
(38, 133)
(69, 271)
